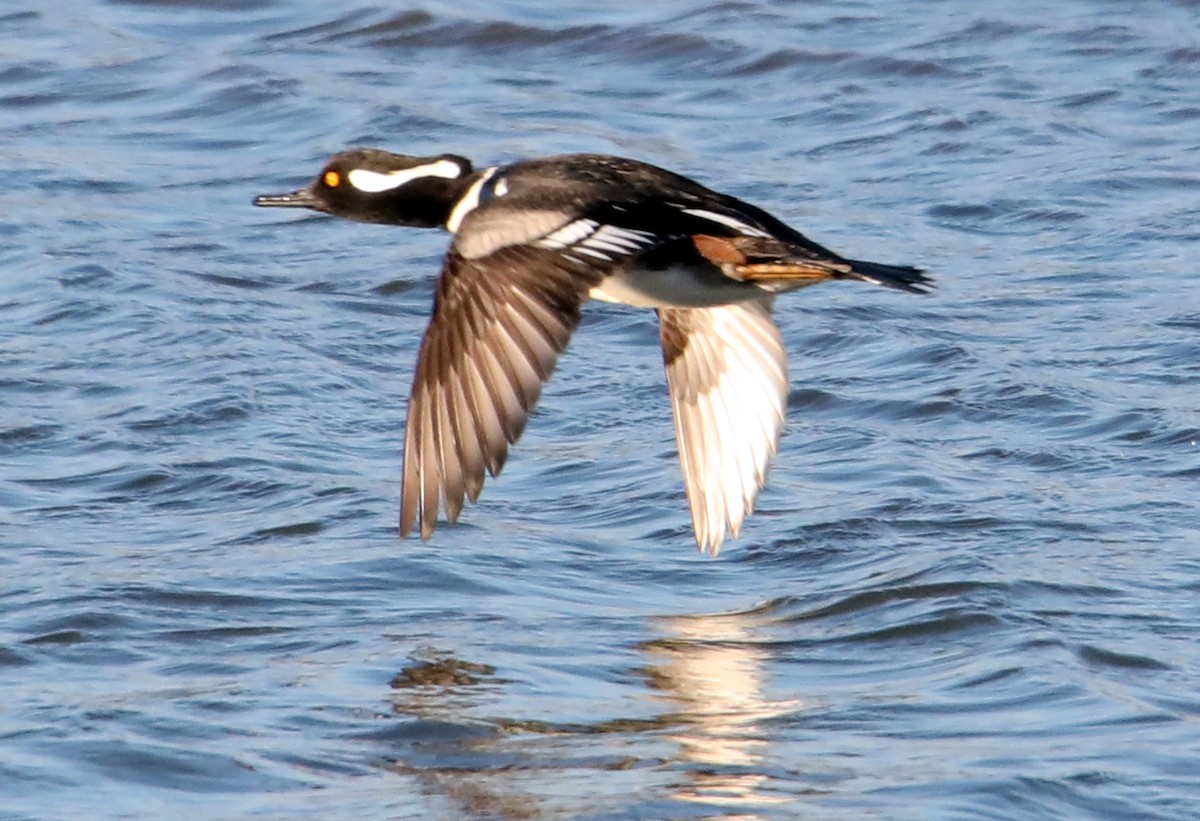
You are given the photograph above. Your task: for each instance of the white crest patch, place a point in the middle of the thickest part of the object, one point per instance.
(468, 202)
(744, 228)
(373, 182)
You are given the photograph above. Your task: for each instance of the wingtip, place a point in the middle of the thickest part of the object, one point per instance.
(409, 521)
(708, 541)
(407, 528)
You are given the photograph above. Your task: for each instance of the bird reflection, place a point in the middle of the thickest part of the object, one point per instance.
(703, 686)
(712, 674)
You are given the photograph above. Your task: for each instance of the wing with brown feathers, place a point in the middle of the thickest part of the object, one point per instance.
(499, 324)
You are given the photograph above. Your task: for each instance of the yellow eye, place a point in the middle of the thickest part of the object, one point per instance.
(332, 179)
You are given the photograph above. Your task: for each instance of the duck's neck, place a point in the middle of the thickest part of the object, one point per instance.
(422, 203)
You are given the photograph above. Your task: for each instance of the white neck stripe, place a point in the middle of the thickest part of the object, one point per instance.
(372, 182)
(468, 202)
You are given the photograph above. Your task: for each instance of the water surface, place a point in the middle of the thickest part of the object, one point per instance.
(970, 590)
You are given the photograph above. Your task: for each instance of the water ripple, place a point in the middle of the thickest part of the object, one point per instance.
(969, 587)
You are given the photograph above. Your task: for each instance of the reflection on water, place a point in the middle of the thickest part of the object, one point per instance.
(706, 682)
(458, 761)
(712, 674)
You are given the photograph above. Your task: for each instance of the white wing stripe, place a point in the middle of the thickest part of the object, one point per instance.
(569, 234)
(586, 236)
(602, 245)
(628, 238)
(729, 222)
(582, 249)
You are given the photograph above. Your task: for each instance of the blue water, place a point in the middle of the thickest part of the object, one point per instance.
(971, 589)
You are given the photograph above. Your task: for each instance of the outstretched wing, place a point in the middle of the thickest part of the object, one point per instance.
(727, 370)
(499, 323)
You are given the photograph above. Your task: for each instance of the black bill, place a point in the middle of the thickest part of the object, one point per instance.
(297, 199)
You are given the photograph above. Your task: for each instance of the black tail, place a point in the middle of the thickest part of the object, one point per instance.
(901, 277)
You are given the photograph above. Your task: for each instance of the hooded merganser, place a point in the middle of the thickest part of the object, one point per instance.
(532, 242)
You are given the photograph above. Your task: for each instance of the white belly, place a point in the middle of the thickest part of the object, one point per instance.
(674, 287)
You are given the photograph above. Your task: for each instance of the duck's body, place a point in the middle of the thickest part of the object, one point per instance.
(532, 242)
